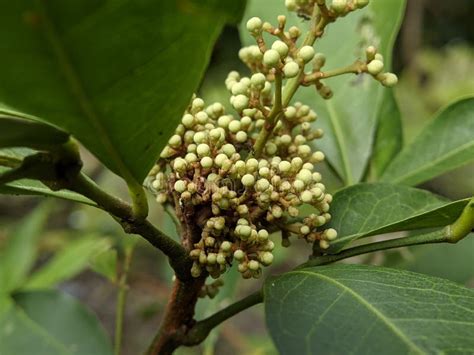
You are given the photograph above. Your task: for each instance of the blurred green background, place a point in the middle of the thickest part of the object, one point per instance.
(434, 58)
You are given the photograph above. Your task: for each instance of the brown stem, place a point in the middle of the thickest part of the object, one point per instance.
(179, 317)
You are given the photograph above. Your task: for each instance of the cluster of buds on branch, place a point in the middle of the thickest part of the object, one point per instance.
(235, 179)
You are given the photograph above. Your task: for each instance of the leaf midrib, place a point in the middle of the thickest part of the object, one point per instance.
(77, 90)
(367, 304)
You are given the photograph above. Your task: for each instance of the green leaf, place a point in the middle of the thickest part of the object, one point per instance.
(106, 264)
(445, 144)
(67, 263)
(51, 323)
(389, 136)
(360, 309)
(350, 118)
(448, 261)
(19, 251)
(16, 132)
(33, 187)
(368, 209)
(115, 74)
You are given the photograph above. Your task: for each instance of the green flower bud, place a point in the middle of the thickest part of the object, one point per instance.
(262, 185)
(226, 246)
(239, 255)
(281, 48)
(284, 166)
(291, 69)
(339, 6)
(306, 196)
(241, 137)
(206, 162)
(361, 3)
(304, 230)
(228, 149)
(294, 31)
(375, 67)
(254, 25)
(242, 267)
(323, 244)
(291, 5)
(180, 186)
(251, 165)
(254, 265)
(306, 53)
(298, 185)
(271, 58)
(234, 126)
(258, 80)
(221, 259)
(224, 121)
(211, 258)
(239, 89)
(390, 80)
(196, 270)
(202, 117)
(266, 258)
(203, 150)
(240, 102)
(317, 157)
(188, 120)
(330, 234)
(197, 105)
(305, 175)
(248, 180)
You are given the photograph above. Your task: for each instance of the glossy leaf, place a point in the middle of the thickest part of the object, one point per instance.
(361, 309)
(445, 144)
(350, 118)
(67, 263)
(368, 209)
(51, 323)
(115, 74)
(18, 253)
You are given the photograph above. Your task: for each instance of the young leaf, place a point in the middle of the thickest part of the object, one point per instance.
(51, 323)
(67, 263)
(361, 309)
(368, 209)
(116, 75)
(19, 252)
(32, 187)
(350, 118)
(445, 144)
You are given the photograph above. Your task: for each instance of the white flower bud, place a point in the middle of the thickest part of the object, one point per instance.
(179, 165)
(305, 175)
(239, 89)
(263, 234)
(203, 150)
(234, 126)
(291, 5)
(266, 258)
(284, 166)
(188, 120)
(262, 185)
(338, 6)
(304, 230)
(298, 185)
(306, 196)
(239, 255)
(330, 234)
(224, 121)
(202, 117)
(317, 157)
(226, 246)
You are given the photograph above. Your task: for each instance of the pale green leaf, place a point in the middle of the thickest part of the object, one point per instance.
(359, 309)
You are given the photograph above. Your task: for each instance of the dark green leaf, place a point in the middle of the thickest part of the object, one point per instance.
(445, 144)
(115, 74)
(369, 209)
(389, 137)
(349, 119)
(358, 309)
(19, 251)
(16, 132)
(67, 263)
(51, 323)
(33, 187)
(449, 261)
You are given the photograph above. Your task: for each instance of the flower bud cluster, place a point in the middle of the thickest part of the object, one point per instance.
(336, 7)
(208, 164)
(375, 67)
